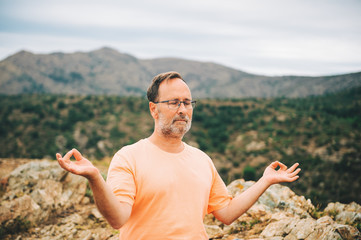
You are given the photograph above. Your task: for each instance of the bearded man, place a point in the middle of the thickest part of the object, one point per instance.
(160, 187)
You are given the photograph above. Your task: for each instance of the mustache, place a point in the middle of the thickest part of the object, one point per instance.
(181, 118)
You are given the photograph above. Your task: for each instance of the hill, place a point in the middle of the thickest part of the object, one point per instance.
(107, 71)
(242, 136)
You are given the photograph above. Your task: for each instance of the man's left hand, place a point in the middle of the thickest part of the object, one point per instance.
(283, 174)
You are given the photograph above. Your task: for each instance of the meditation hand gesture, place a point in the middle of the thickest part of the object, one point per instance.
(81, 166)
(282, 174)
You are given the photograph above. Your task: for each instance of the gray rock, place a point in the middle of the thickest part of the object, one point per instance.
(24, 207)
(39, 188)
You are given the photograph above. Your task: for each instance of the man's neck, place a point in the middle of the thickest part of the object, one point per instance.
(167, 144)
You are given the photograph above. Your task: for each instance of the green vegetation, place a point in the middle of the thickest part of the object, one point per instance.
(322, 133)
(37, 126)
(249, 173)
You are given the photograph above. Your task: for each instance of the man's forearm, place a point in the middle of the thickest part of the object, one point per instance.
(115, 212)
(241, 203)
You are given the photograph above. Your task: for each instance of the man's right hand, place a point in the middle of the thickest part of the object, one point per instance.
(117, 213)
(81, 166)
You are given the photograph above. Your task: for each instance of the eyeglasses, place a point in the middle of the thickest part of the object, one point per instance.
(175, 104)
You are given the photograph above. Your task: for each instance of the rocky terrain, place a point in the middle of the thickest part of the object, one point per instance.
(41, 201)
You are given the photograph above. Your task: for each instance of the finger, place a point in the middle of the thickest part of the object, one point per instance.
(294, 166)
(293, 178)
(58, 155)
(274, 165)
(62, 162)
(295, 172)
(282, 166)
(68, 155)
(77, 154)
(60, 159)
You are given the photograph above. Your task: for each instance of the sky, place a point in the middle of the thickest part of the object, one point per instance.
(268, 37)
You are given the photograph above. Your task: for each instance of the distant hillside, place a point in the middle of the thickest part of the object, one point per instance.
(106, 71)
(242, 136)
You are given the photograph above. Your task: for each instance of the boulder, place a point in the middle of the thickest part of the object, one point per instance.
(277, 198)
(39, 188)
(23, 206)
(345, 213)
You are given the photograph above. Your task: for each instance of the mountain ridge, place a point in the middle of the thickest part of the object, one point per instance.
(107, 71)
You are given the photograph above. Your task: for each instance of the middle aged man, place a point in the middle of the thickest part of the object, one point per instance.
(160, 187)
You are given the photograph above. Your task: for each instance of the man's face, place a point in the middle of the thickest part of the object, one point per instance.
(174, 123)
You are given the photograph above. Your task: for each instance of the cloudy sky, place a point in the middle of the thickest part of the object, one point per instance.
(271, 37)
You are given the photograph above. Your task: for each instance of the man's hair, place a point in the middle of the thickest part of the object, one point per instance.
(152, 92)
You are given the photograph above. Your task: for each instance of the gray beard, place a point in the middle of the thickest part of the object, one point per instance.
(173, 131)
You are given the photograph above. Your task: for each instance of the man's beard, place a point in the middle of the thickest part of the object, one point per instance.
(172, 129)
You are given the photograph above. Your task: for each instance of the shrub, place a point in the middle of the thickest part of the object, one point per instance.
(249, 173)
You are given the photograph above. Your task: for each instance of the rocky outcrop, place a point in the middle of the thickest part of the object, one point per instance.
(38, 189)
(53, 204)
(281, 214)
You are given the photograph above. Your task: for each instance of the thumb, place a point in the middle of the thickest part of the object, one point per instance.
(77, 154)
(274, 164)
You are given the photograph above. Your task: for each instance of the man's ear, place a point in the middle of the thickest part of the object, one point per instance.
(153, 110)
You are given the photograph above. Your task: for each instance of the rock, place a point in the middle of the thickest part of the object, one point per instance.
(324, 221)
(345, 213)
(324, 228)
(276, 198)
(54, 201)
(24, 207)
(348, 232)
(39, 188)
(289, 218)
(47, 192)
(85, 201)
(214, 231)
(279, 228)
(303, 228)
(95, 213)
(74, 189)
(75, 219)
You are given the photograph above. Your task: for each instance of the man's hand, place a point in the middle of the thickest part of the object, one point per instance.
(117, 213)
(282, 174)
(81, 166)
(241, 203)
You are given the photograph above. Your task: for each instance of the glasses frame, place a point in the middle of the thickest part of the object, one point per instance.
(192, 105)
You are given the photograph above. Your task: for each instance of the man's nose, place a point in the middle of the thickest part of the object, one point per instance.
(181, 107)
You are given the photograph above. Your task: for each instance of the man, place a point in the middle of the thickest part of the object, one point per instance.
(160, 187)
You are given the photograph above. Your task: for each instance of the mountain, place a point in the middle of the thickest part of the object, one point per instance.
(107, 71)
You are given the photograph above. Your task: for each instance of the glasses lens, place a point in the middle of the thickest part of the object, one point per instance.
(173, 104)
